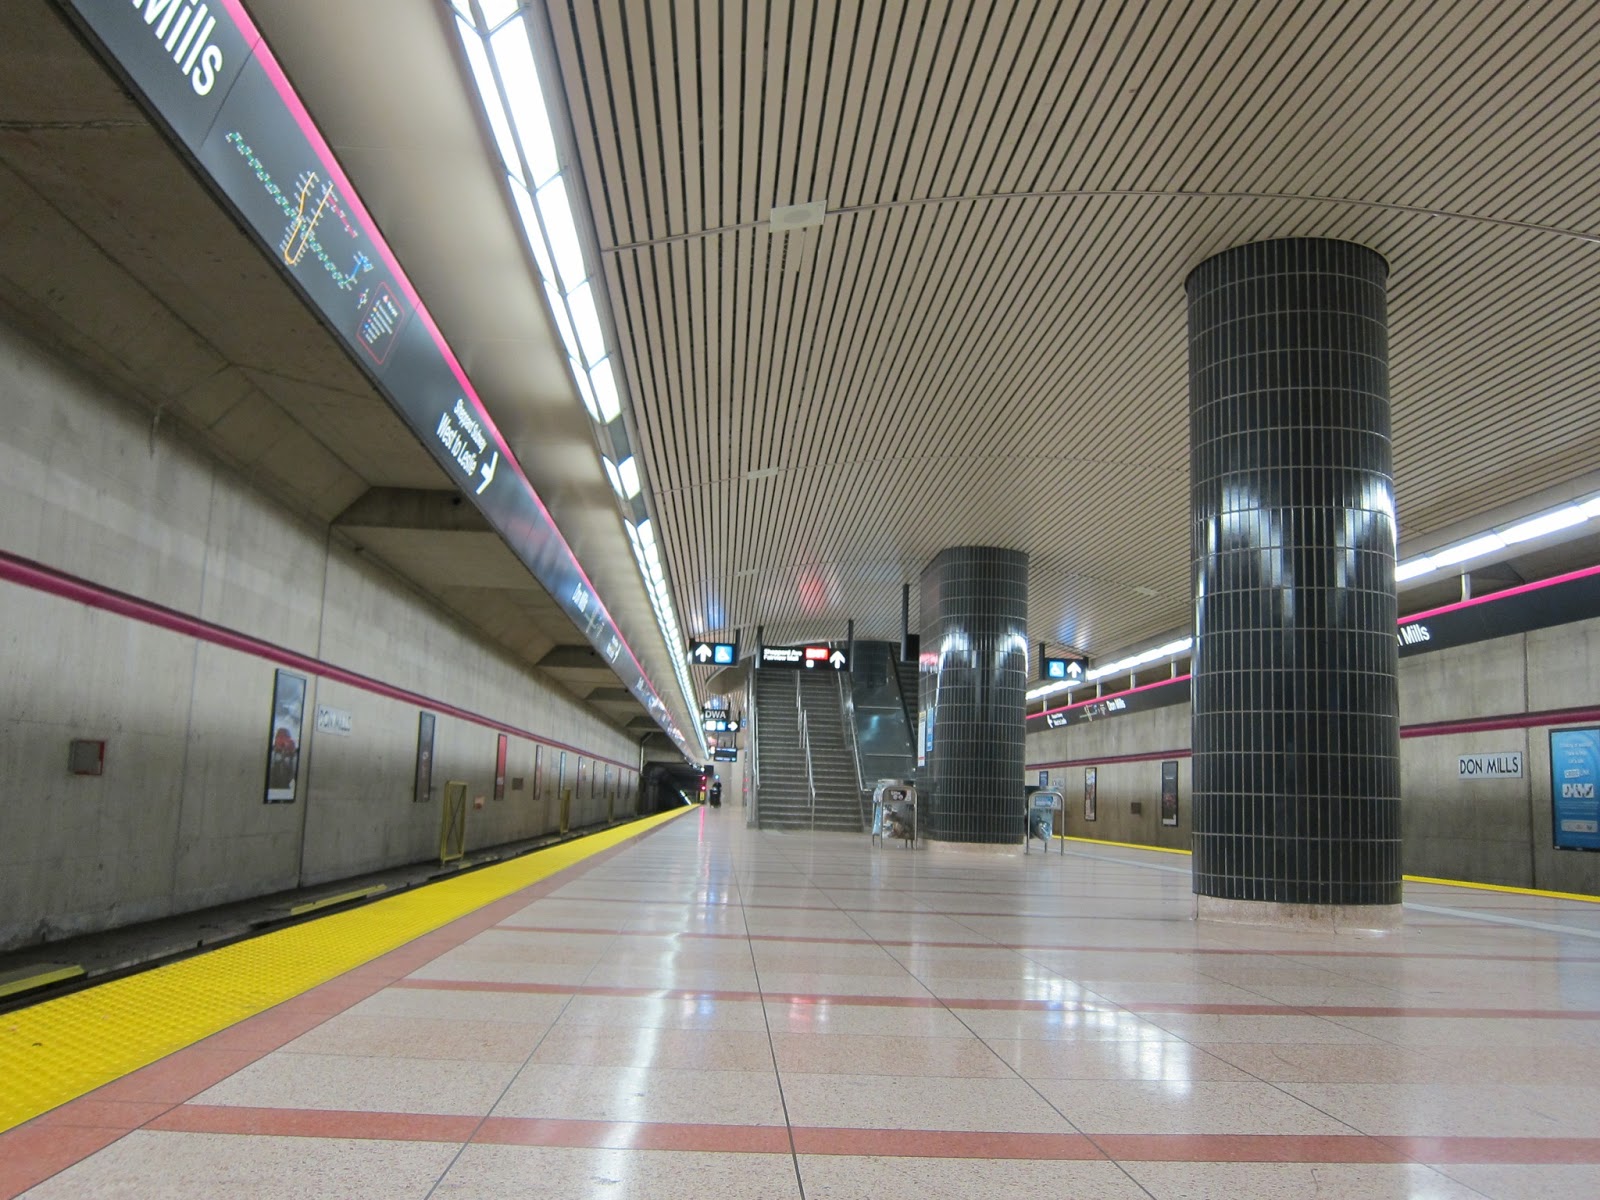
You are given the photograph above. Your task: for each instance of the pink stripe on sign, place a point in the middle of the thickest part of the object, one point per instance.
(330, 163)
(1520, 589)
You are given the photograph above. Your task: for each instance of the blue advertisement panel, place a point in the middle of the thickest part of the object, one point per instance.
(1575, 788)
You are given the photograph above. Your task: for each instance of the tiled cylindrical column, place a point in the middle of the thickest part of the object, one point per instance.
(1295, 727)
(973, 680)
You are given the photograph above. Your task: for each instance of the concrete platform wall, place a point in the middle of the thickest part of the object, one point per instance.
(88, 486)
(1485, 830)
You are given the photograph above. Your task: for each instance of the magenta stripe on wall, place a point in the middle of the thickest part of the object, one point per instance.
(29, 574)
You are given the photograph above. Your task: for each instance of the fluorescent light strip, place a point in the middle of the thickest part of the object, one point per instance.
(520, 123)
(562, 229)
(558, 308)
(525, 99)
(489, 94)
(495, 11)
(1494, 541)
(586, 321)
(1491, 542)
(628, 474)
(607, 402)
(531, 229)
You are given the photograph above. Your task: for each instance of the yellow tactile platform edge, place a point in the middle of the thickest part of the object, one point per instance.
(61, 1049)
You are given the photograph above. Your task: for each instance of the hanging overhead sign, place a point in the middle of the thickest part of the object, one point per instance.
(804, 657)
(713, 654)
(728, 754)
(717, 725)
(204, 70)
(1068, 670)
(1140, 699)
(1558, 601)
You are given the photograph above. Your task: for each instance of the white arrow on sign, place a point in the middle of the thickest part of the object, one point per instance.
(837, 659)
(703, 652)
(488, 469)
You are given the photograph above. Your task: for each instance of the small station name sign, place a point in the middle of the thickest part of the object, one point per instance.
(803, 657)
(1505, 765)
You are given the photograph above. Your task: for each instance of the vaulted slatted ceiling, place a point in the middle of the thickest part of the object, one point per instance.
(985, 342)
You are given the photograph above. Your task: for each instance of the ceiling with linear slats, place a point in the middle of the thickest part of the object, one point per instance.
(985, 340)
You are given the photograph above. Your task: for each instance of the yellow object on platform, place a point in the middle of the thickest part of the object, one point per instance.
(60, 1049)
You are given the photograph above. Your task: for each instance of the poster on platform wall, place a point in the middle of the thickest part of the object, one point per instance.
(422, 790)
(500, 769)
(1575, 788)
(283, 741)
(1169, 792)
(1090, 788)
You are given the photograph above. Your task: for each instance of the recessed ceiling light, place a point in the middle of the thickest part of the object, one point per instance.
(1145, 591)
(797, 216)
(763, 473)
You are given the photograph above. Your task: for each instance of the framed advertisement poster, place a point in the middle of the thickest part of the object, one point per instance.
(500, 769)
(1169, 792)
(423, 787)
(1091, 777)
(1575, 788)
(283, 738)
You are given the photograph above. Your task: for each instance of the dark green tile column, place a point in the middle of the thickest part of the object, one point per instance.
(973, 680)
(1295, 727)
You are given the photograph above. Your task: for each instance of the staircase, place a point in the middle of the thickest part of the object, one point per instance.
(833, 763)
(785, 794)
(784, 800)
(907, 674)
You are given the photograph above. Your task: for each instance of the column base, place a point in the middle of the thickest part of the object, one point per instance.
(1334, 918)
(974, 847)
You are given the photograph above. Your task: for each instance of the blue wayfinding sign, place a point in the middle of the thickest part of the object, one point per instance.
(1575, 788)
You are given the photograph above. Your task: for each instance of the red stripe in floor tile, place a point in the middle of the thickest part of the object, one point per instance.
(178, 1076)
(1156, 1007)
(39, 1150)
(1520, 1150)
(943, 1143)
(574, 989)
(1236, 952)
(317, 1123)
(1248, 1147)
(634, 1135)
(989, 1004)
(30, 1154)
(123, 1115)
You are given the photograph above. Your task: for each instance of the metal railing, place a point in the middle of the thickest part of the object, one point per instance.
(847, 715)
(752, 791)
(811, 779)
(847, 718)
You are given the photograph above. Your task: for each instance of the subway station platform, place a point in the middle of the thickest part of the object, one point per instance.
(701, 1010)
